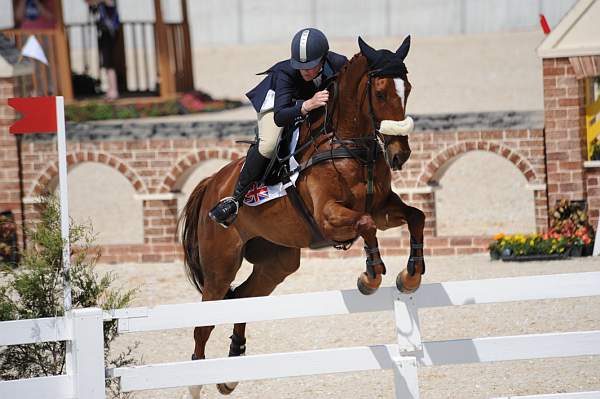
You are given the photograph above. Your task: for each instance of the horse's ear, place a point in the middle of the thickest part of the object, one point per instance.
(367, 50)
(402, 51)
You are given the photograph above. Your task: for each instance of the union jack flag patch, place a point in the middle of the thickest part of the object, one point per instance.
(256, 194)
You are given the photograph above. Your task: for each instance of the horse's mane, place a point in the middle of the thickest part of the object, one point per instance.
(351, 65)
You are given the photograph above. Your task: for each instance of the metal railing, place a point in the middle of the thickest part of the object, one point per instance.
(138, 47)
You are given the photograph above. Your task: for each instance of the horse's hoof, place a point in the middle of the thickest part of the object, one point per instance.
(195, 391)
(363, 287)
(226, 388)
(402, 288)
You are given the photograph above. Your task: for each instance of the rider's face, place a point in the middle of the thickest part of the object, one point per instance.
(310, 74)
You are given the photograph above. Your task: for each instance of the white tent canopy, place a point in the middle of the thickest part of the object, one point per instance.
(577, 34)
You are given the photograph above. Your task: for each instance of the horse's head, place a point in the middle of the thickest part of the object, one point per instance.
(383, 86)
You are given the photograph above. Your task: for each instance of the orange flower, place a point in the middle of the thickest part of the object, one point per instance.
(499, 236)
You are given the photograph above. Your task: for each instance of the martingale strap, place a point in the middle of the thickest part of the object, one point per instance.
(372, 154)
(370, 178)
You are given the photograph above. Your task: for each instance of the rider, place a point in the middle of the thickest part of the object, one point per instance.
(291, 89)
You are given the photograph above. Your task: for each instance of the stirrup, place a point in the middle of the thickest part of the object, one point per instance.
(228, 219)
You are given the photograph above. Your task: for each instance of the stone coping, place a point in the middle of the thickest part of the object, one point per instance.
(134, 130)
(591, 164)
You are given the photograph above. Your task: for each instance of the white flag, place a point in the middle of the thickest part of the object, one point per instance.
(33, 49)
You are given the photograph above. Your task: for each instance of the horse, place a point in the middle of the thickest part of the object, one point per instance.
(346, 196)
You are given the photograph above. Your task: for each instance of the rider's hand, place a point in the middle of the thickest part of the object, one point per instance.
(318, 100)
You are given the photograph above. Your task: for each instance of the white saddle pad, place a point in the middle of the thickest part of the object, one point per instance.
(260, 193)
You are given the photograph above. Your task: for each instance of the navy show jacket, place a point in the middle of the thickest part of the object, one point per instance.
(291, 90)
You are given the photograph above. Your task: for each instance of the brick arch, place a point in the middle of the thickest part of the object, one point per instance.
(45, 177)
(467, 146)
(188, 161)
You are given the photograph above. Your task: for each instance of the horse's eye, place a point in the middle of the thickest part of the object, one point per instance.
(380, 95)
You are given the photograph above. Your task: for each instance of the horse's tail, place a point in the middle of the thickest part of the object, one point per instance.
(190, 219)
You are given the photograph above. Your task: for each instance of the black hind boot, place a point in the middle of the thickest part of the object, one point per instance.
(226, 210)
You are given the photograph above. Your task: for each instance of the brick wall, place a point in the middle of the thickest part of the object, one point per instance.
(9, 171)
(155, 168)
(431, 151)
(593, 194)
(565, 134)
(156, 157)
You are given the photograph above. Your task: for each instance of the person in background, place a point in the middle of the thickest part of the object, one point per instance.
(108, 25)
(34, 14)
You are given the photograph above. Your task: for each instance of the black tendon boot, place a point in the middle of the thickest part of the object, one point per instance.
(226, 210)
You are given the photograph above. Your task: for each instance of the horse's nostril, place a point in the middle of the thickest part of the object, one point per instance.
(397, 162)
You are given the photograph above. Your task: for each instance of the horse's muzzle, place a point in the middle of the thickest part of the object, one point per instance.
(399, 159)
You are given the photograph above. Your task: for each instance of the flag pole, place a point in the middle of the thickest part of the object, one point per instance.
(64, 198)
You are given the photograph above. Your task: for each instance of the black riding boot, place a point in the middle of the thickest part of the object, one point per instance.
(226, 210)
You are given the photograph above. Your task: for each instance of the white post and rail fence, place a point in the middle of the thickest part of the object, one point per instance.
(86, 373)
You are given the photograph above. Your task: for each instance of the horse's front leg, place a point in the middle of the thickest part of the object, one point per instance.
(393, 214)
(340, 223)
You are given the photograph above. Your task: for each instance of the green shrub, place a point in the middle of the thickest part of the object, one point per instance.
(125, 113)
(35, 290)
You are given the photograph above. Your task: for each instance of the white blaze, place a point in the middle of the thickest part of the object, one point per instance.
(398, 128)
(399, 83)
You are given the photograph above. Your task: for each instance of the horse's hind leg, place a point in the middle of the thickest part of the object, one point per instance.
(219, 272)
(272, 264)
(394, 214)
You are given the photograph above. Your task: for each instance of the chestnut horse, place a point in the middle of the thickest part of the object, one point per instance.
(335, 191)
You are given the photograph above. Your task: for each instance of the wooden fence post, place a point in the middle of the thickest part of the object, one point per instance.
(405, 378)
(166, 76)
(63, 57)
(408, 335)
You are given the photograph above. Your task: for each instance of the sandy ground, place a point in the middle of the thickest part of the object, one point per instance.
(166, 283)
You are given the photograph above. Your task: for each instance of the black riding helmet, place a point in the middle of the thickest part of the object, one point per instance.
(309, 46)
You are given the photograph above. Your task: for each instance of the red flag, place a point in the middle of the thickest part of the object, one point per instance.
(544, 24)
(39, 115)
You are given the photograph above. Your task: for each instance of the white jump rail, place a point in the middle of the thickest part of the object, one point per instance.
(82, 329)
(400, 356)
(574, 395)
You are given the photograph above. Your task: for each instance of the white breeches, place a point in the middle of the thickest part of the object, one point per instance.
(268, 133)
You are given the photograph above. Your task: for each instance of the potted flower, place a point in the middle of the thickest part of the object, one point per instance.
(521, 247)
(494, 247)
(569, 219)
